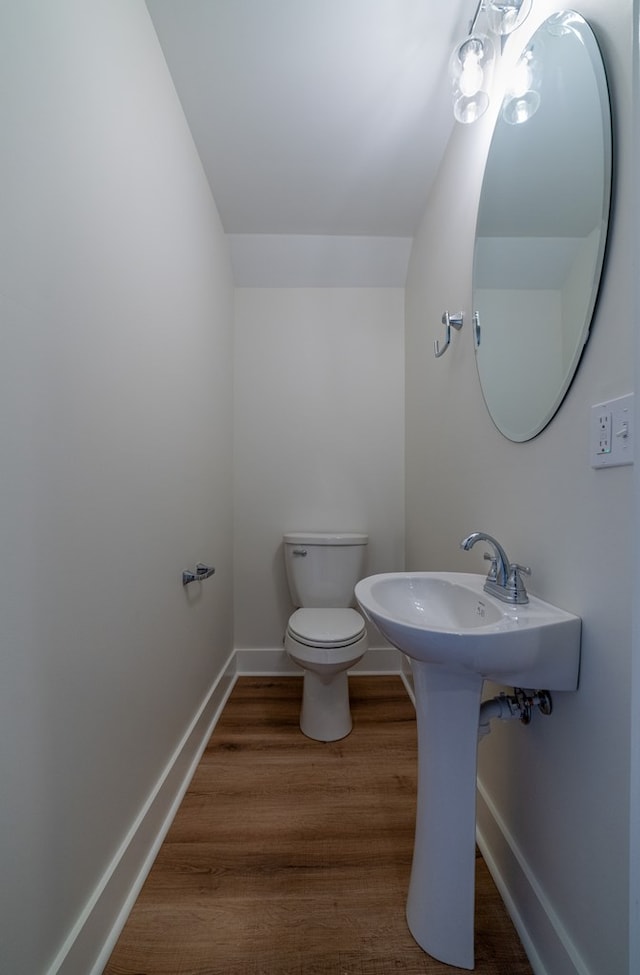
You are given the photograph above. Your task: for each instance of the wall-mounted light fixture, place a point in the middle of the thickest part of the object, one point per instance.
(471, 63)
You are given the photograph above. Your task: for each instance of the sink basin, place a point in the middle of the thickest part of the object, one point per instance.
(457, 636)
(446, 618)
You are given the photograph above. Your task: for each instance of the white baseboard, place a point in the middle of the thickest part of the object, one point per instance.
(93, 937)
(272, 662)
(407, 677)
(380, 660)
(548, 946)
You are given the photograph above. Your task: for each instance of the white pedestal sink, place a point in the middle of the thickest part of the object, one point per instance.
(457, 636)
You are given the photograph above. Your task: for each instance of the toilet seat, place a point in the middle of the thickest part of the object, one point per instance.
(326, 628)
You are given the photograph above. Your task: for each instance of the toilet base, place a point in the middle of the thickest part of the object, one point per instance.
(325, 714)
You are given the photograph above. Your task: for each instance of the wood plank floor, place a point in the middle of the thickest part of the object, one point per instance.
(292, 857)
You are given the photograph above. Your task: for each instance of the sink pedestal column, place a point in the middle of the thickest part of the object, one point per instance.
(440, 906)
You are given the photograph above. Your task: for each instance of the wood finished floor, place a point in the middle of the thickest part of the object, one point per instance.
(292, 857)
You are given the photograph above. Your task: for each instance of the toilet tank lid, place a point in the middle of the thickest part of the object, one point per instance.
(326, 538)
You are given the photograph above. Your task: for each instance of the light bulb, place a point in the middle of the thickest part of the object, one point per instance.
(521, 108)
(522, 97)
(471, 76)
(470, 68)
(520, 79)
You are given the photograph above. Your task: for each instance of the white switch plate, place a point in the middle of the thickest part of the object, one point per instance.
(611, 433)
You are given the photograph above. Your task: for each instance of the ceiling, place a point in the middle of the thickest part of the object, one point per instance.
(315, 118)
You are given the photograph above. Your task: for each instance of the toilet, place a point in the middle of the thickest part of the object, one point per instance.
(325, 636)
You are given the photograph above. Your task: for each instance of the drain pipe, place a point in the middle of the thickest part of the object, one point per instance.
(520, 705)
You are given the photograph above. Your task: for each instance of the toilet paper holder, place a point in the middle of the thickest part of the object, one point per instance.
(201, 573)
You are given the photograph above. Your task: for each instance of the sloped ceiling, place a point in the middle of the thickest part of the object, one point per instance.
(315, 118)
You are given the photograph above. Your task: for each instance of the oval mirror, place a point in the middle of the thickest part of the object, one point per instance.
(542, 226)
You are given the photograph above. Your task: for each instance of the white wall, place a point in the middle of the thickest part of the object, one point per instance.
(634, 818)
(115, 426)
(557, 791)
(319, 435)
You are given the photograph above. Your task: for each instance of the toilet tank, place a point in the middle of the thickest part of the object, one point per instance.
(323, 567)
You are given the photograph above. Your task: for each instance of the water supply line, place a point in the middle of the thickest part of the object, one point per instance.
(520, 705)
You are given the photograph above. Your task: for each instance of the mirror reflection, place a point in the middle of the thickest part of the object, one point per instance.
(541, 228)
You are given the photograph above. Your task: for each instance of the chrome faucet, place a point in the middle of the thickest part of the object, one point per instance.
(503, 580)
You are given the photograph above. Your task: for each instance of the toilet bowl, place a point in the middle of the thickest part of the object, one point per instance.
(325, 636)
(326, 643)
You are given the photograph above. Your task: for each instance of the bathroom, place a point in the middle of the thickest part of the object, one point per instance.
(147, 405)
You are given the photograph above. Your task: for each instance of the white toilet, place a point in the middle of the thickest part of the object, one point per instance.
(325, 636)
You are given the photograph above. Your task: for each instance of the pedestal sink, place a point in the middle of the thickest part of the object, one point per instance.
(457, 636)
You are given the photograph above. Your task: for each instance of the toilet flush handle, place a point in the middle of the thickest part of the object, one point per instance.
(299, 551)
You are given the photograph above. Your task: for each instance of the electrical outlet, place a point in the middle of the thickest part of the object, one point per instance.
(611, 434)
(603, 431)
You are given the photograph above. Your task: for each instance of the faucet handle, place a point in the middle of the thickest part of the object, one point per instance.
(493, 568)
(515, 585)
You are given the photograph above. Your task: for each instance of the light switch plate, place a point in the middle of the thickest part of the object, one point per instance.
(611, 434)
